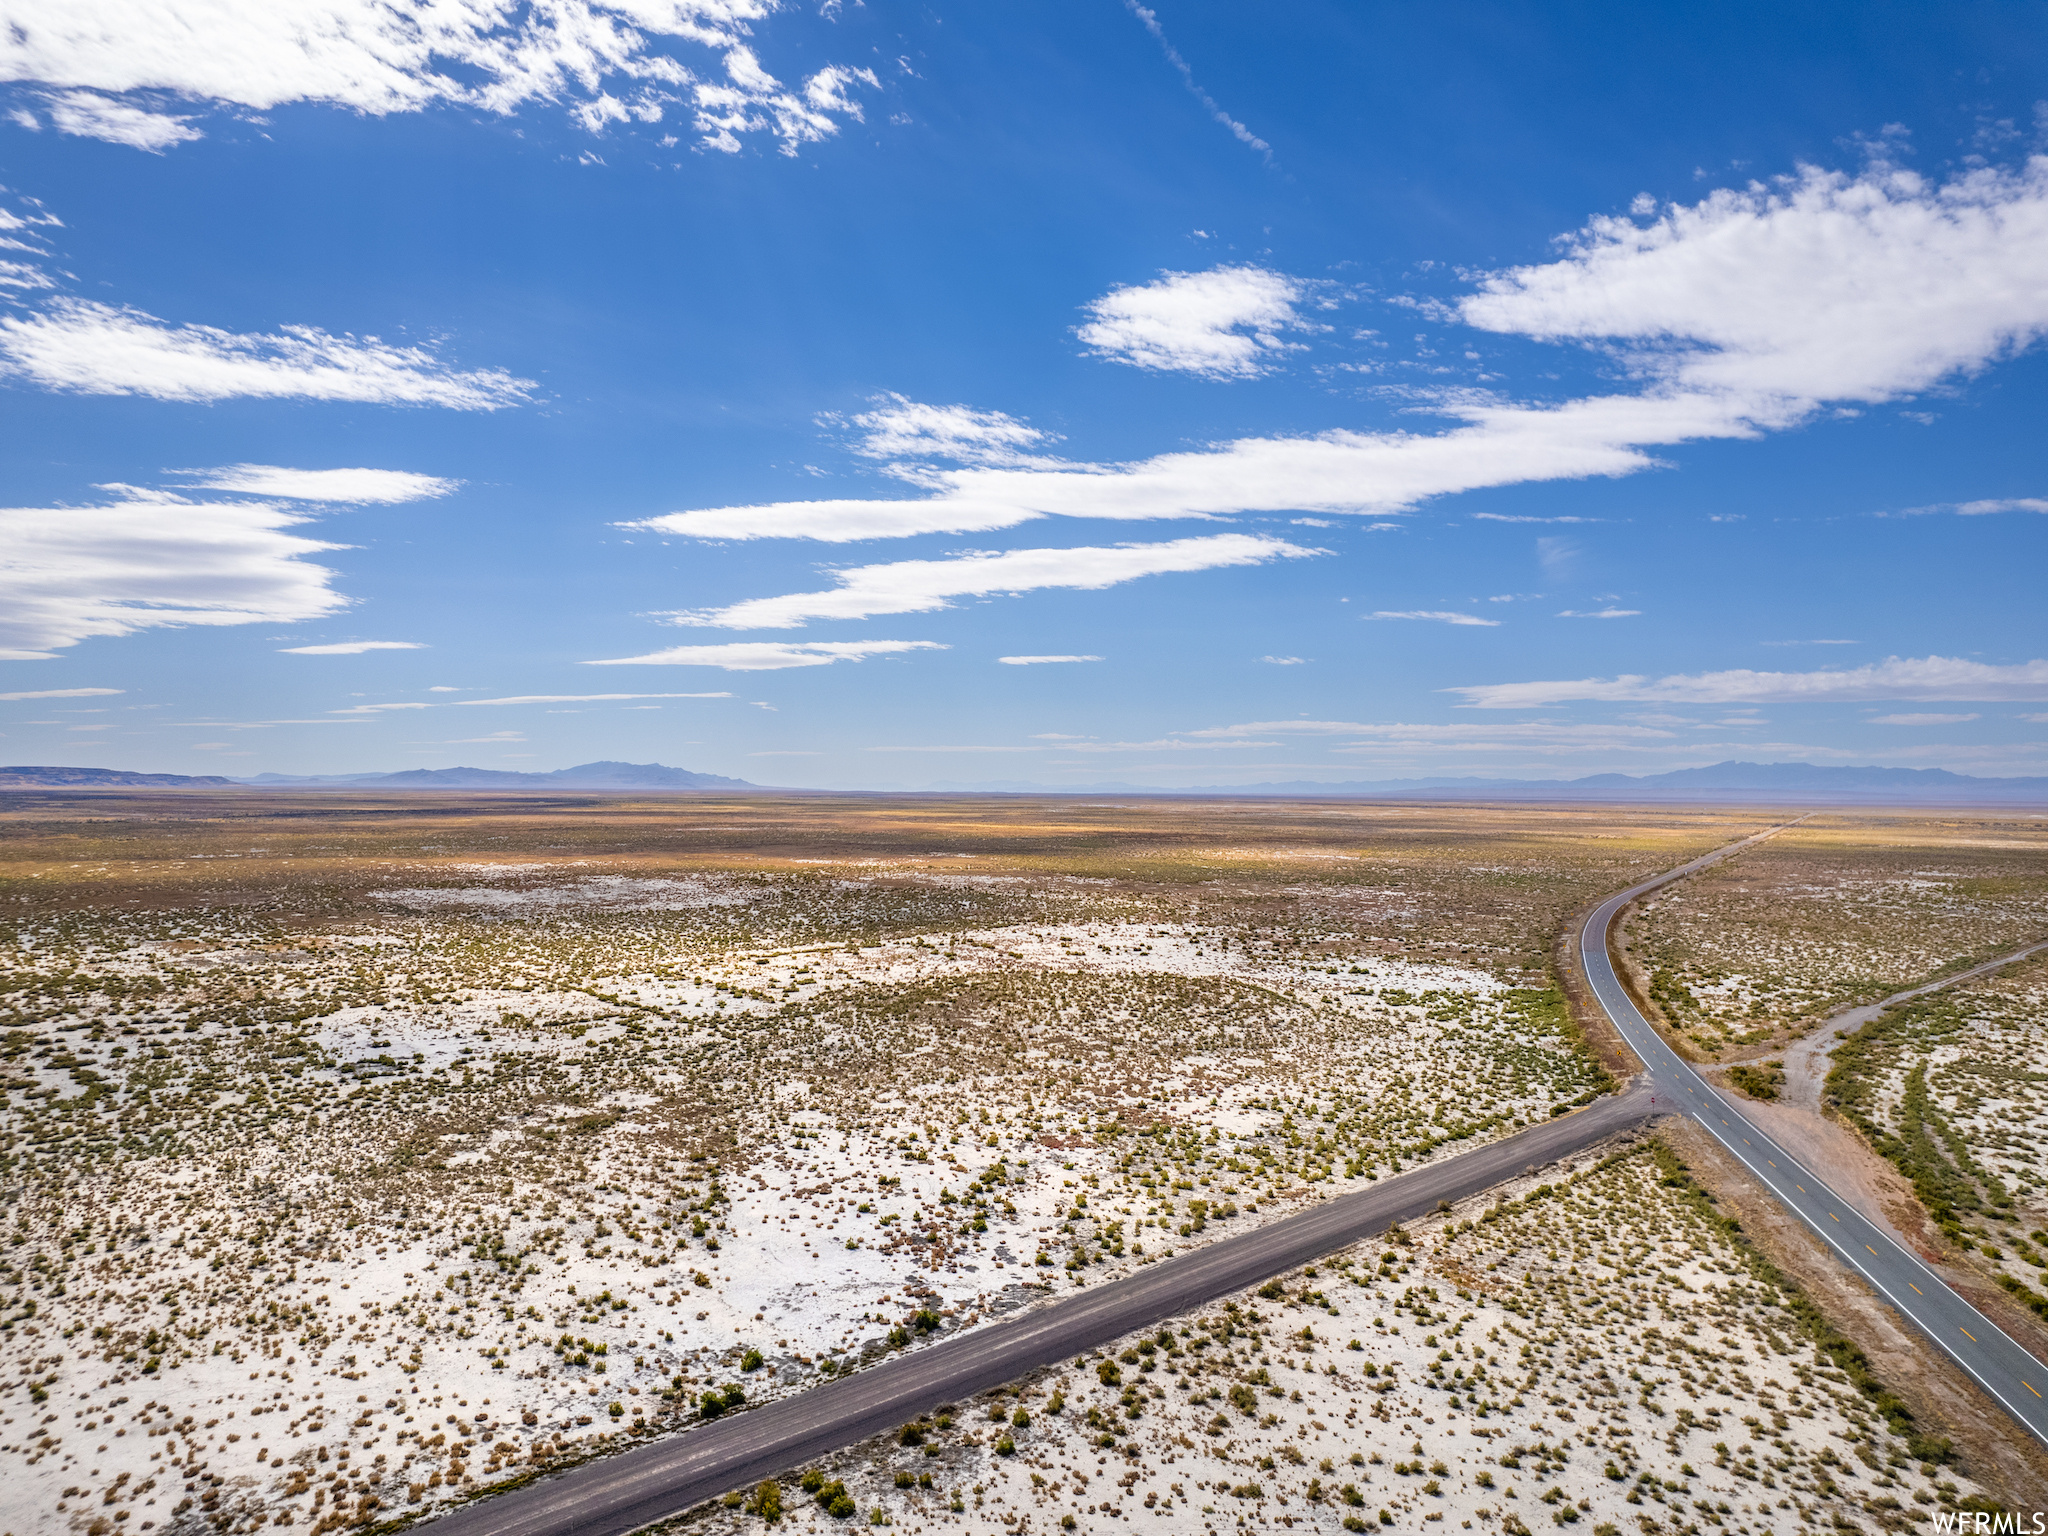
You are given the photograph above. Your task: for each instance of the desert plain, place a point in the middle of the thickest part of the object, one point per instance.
(368, 1154)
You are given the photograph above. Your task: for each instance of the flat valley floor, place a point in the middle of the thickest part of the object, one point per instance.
(363, 1153)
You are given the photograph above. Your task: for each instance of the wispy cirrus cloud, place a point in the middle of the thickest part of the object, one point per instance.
(352, 648)
(1150, 21)
(1988, 507)
(1434, 615)
(61, 693)
(1932, 678)
(1039, 661)
(925, 586)
(1379, 736)
(1503, 517)
(769, 655)
(582, 698)
(357, 487)
(81, 346)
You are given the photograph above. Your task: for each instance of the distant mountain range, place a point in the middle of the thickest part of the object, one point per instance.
(106, 778)
(1742, 782)
(1797, 782)
(583, 776)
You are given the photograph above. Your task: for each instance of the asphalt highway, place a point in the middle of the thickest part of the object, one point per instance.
(1986, 1353)
(660, 1478)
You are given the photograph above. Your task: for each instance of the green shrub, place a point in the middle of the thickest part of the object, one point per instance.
(1758, 1082)
(767, 1501)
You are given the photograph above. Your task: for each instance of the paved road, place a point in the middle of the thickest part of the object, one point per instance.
(1990, 1356)
(661, 1478)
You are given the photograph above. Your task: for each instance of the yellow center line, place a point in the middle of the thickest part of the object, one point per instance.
(1916, 1289)
(1873, 1253)
(2028, 1385)
(1834, 1218)
(1800, 1187)
(1966, 1333)
(1769, 1161)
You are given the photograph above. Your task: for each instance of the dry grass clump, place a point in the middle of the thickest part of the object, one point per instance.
(1835, 912)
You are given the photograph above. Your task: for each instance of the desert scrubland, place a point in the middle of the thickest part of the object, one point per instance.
(361, 1155)
(1836, 911)
(1953, 1089)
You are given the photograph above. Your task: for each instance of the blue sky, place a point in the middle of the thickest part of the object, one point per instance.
(884, 395)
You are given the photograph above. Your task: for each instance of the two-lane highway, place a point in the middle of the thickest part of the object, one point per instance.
(1989, 1355)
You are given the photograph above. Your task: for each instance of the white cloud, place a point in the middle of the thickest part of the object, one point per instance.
(1932, 678)
(62, 693)
(1743, 314)
(957, 749)
(152, 561)
(1600, 613)
(352, 648)
(899, 428)
(95, 117)
(923, 586)
(1284, 661)
(360, 487)
(385, 56)
(1034, 661)
(1502, 517)
(769, 655)
(1165, 744)
(1336, 471)
(1379, 736)
(1977, 508)
(1439, 615)
(1922, 719)
(1221, 324)
(583, 698)
(1818, 287)
(20, 275)
(78, 346)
